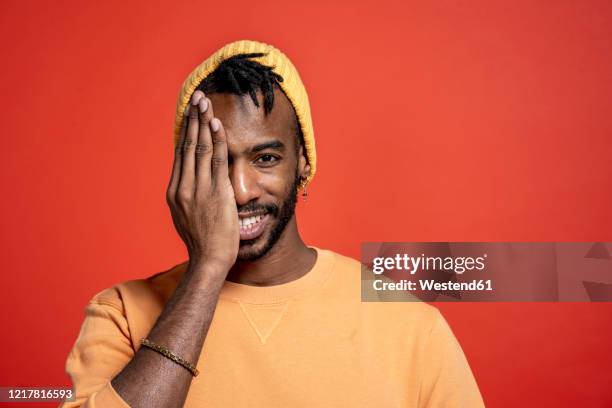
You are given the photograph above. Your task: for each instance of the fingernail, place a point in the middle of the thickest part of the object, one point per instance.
(203, 105)
(195, 99)
(215, 124)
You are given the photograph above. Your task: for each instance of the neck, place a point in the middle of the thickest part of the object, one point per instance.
(289, 259)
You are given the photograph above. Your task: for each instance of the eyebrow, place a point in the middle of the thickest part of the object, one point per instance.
(274, 144)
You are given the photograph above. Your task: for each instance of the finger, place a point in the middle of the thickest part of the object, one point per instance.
(176, 165)
(204, 146)
(186, 186)
(219, 156)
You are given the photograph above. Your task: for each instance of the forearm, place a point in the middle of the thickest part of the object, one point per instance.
(152, 380)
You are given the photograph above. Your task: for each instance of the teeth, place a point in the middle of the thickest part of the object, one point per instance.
(250, 221)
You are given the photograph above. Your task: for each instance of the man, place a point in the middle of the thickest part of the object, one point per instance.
(254, 317)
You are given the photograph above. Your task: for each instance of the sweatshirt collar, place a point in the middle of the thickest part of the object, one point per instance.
(297, 288)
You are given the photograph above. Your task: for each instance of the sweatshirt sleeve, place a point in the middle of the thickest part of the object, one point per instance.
(102, 348)
(447, 378)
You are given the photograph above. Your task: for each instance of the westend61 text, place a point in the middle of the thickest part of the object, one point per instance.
(430, 284)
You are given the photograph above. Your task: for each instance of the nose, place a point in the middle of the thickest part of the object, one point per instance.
(245, 182)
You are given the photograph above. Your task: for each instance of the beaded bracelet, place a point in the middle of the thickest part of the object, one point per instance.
(167, 353)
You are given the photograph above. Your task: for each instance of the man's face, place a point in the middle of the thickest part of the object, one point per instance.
(263, 167)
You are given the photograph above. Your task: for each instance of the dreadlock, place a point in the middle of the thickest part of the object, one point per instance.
(239, 75)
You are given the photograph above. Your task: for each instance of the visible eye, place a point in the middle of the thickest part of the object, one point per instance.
(267, 159)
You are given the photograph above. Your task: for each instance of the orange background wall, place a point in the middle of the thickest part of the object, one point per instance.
(445, 120)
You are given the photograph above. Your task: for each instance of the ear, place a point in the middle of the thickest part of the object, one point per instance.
(303, 166)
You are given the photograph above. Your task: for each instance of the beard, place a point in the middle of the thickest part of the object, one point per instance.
(248, 250)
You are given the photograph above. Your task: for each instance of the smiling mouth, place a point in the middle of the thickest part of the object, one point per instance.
(252, 226)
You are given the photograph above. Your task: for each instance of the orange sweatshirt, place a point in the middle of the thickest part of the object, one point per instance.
(307, 343)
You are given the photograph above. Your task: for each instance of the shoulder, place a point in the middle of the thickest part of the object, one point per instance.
(344, 267)
(403, 309)
(139, 301)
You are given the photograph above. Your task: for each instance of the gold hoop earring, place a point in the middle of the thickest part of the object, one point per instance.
(305, 191)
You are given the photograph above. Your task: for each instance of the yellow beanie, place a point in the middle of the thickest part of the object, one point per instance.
(292, 86)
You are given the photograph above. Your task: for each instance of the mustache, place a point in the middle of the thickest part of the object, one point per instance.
(271, 208)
